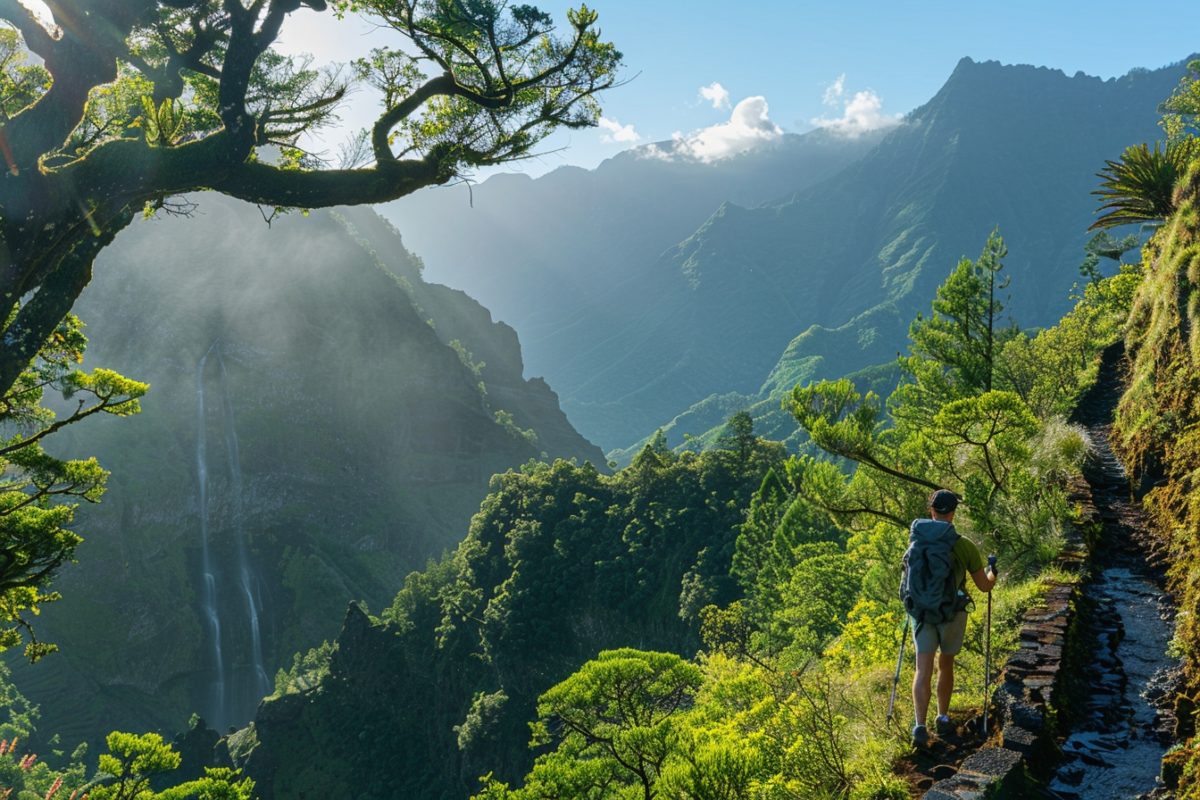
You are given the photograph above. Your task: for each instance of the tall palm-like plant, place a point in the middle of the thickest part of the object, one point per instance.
(1140, 186)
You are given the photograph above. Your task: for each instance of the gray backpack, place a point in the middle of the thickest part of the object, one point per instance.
(927, 586)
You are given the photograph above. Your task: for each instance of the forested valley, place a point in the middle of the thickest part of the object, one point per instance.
(283, 516)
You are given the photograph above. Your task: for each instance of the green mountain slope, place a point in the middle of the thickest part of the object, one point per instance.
(824, 284)
(541, 252)
(318, 409)
(636, 338)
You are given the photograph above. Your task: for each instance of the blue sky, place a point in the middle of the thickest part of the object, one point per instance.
(890, 57)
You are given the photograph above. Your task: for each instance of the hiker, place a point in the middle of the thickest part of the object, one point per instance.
(934, 590)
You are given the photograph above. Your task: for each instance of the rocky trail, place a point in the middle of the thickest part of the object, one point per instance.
(1114, 725)
(1116, 742)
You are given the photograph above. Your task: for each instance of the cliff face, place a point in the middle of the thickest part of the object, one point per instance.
(1158, 421)
(1157, 432)
(319, 424)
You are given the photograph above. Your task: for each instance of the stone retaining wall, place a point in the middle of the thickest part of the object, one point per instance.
(1030, 689)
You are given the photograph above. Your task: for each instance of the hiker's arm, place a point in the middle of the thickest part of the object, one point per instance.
(985, 579)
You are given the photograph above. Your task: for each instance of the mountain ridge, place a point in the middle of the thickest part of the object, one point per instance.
(894, 222)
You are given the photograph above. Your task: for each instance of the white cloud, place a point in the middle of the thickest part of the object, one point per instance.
(835, 91)
(748, 127)
(861, 113)
(618, 132)
(716, 94)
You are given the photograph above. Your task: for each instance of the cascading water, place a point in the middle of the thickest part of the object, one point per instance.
(217, 695)
(249, 582)
(237, 686)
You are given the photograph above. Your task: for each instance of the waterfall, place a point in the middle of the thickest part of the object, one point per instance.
(248, 580)
(218, 696)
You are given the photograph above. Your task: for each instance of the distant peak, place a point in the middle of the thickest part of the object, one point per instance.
(968, 66)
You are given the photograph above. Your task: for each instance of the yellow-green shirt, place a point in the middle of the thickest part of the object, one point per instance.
(967, 560)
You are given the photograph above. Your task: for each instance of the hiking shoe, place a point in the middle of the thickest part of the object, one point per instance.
(920, 735)
(944, 726)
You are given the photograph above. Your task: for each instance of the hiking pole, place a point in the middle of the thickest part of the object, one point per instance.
(987, 650)
(899, 664)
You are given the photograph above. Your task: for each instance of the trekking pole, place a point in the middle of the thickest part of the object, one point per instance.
(896, 677)
(987, 651)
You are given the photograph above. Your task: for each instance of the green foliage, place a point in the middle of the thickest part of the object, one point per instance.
(506, 421)
(163, 125)
(814, 603)
(543, 535)
(22, 715)
(38, 491)
(888, 483)
(21, 82)
(753, 552)
(745, 732)
(130, 762)
(962, 338)
(614, 723)
(840, 420)
(485, 711)
(1140, 187)
(738, 434)
(113, 113)
(492, 50)
(560, 562)
(955, 423)
(127, 770)
(1052, 369)
(1182, 108)
(468, 360)
(306, 672)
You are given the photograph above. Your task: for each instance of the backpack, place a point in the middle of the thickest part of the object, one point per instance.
(927, 586)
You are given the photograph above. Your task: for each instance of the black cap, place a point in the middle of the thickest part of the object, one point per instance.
(943, 501)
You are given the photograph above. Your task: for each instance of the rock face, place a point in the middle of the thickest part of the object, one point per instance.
(321, 422)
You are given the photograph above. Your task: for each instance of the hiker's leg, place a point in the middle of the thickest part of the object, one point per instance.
(952, 634)
(921, 686)
(945, 684)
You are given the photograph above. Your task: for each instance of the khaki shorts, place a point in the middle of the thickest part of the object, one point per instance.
(948, 636)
